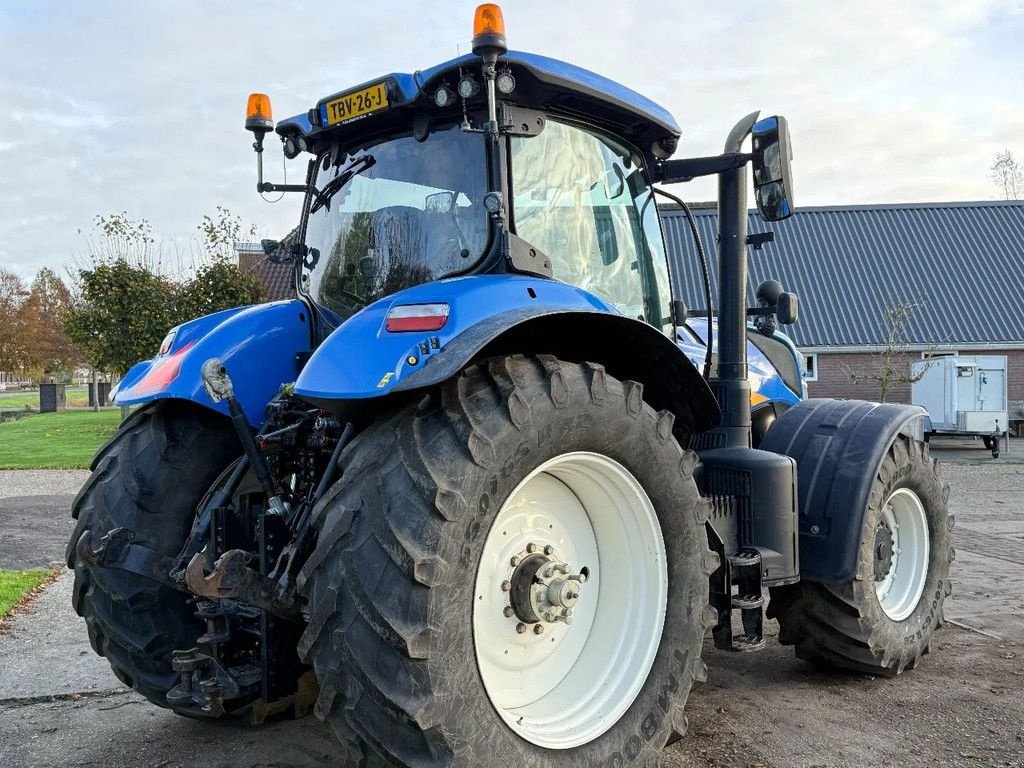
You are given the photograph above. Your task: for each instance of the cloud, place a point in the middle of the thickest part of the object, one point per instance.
(138, 106)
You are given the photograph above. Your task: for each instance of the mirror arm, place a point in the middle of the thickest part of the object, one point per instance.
(687, 169)
(266, 186)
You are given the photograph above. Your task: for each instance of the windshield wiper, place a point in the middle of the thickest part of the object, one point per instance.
(323, 196)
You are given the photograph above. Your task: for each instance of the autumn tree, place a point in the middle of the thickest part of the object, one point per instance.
(13, 338)
(44, 311)
(1008, 175)
(889, 368)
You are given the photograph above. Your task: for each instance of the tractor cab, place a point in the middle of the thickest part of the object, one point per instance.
(412, 181)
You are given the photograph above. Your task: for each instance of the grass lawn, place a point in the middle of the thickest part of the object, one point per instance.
(14, 585)
(65, 440)
(78, 396)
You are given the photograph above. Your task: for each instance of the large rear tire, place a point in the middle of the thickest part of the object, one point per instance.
(415, 598)
(881, 622)
(148, 478)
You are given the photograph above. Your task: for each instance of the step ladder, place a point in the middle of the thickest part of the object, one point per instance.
(739, 587)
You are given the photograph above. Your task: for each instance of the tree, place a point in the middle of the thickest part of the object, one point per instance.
(1008, 175)
(890, 368)
(127, 302)
(218, 286)
(13, 337)
(124, 313)
(44, 312)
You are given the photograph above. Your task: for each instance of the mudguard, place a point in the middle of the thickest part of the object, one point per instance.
(499, 314)
(259, 346)
(838, 446)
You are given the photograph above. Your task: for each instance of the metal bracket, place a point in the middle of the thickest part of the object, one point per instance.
(520, 121)
(527, 258)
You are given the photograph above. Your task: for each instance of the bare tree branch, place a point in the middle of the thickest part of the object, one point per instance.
(888, 369)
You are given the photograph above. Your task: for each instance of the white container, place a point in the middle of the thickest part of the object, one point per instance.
(963, 393)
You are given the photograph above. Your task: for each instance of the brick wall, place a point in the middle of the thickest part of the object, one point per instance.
(834, 379)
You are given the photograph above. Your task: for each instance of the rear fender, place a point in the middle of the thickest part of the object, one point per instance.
(838, 446)
(500, 314)
(259, 345)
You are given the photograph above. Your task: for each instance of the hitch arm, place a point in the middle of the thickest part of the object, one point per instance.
(232, 578)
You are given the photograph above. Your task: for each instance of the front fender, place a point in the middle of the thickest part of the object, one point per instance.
(257, 344)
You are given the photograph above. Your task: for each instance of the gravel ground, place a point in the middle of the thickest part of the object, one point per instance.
(964, 706)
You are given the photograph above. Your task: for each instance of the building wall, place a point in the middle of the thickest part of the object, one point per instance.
(834, 375)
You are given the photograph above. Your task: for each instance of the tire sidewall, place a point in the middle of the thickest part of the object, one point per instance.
(630, 435)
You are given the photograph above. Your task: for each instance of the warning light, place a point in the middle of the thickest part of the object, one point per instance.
(258, 116)
(489, 30)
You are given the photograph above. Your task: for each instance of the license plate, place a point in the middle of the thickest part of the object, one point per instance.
(373, 98)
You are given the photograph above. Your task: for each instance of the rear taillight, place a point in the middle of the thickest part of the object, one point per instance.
(417, 317)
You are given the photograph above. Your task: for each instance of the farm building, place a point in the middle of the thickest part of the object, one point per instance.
(957, 266)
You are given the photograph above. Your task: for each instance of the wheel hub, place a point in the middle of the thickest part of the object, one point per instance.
(883, 550)
(543, 589)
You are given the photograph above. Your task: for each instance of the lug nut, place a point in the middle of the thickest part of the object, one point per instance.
(549, 550)
(521, 628)
(515, 560)
(531, 547)
(506, 586)
(508, 612)
(538, 629)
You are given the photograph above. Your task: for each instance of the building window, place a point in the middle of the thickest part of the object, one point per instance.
(811, 367)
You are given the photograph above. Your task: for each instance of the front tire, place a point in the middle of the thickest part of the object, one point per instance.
(882, 621)
(411, 588)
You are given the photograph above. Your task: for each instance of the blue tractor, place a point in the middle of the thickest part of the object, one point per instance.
(477, 495)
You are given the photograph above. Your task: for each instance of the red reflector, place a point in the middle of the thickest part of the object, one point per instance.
(162, 373)
(417, 317)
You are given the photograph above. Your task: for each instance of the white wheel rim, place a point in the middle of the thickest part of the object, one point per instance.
(568, 685)
(900, 590)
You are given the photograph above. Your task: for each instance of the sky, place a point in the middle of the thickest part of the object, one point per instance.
(139, 106)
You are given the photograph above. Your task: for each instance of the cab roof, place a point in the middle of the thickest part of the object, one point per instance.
(541, 83)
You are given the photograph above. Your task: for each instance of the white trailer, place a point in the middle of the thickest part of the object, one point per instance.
(964, 395)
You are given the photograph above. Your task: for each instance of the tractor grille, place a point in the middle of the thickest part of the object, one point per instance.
(721, 482)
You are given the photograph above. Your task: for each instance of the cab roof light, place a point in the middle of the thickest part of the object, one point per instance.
(489, 29)
(259, 118)
(416, 317)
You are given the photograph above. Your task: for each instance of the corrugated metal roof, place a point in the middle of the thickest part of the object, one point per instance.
(963, 261)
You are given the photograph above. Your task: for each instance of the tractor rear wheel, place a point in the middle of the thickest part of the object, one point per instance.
(881, 622)
(148, 478)
(515, 572)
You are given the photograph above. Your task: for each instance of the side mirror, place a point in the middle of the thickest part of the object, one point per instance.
(269, 246)
(439, 202)
(773, 184)
(788, 308)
